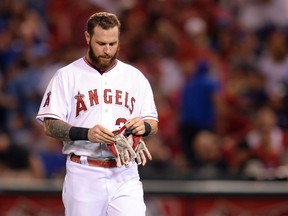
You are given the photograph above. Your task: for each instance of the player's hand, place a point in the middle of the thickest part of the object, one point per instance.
(136, 126)
(100, 134)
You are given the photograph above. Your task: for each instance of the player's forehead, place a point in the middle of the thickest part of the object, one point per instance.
(106, 35)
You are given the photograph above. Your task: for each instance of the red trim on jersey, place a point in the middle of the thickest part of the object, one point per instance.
(47, 114)
(150, 117)
(94, 67)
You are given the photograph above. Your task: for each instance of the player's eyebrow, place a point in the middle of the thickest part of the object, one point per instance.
(104, 43)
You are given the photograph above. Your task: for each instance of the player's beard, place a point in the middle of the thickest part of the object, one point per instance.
(101, 60)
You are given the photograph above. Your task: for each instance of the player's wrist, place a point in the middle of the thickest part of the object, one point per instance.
(148, 129)
(78, 133)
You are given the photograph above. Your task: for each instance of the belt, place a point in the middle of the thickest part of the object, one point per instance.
(96, 163)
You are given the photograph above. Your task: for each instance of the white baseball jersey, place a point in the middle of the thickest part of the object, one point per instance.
(81, 96)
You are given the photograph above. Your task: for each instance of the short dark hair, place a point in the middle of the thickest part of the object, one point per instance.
(103, 19)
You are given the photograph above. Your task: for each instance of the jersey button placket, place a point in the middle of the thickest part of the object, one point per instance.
(105, 109)
(105, 86)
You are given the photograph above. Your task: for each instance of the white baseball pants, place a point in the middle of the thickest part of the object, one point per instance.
(97, 191)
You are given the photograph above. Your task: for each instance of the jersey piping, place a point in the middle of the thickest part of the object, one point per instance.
(101, 72)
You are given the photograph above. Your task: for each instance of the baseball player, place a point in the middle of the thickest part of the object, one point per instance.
(84, 103)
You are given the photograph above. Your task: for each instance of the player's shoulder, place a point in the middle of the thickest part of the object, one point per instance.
(75, 64)
(128, 68)
(72, 66)
(125, 65)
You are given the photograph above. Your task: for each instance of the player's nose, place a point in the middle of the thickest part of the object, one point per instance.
(107, 49)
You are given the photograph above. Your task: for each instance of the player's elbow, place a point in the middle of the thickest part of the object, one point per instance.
(46, 130)
(155, 128)
(46, 127)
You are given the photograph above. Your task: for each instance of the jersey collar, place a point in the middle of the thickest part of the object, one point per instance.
(96, 68)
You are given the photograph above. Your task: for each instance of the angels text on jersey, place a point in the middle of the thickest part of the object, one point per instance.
(117, 97)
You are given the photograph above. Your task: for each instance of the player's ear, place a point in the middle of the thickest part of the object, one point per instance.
(87, 37)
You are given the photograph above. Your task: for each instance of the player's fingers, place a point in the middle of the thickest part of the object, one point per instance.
(132, 121)
(100, 134)
(107, 132)
(136, 125)
(106, 138)
(138, 131)
(99, 129)
(100, 138)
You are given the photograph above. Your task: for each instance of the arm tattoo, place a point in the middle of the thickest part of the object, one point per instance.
(57, 129)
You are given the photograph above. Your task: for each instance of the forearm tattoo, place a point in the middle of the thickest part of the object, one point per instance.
(57, 129)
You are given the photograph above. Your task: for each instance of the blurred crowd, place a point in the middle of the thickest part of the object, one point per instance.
(218, 68)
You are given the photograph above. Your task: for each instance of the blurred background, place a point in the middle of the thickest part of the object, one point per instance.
(218, 69)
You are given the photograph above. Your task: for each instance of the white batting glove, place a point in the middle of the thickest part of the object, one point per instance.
(141, 150)
(122, 149)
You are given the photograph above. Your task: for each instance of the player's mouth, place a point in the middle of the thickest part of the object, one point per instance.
(105, 57)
